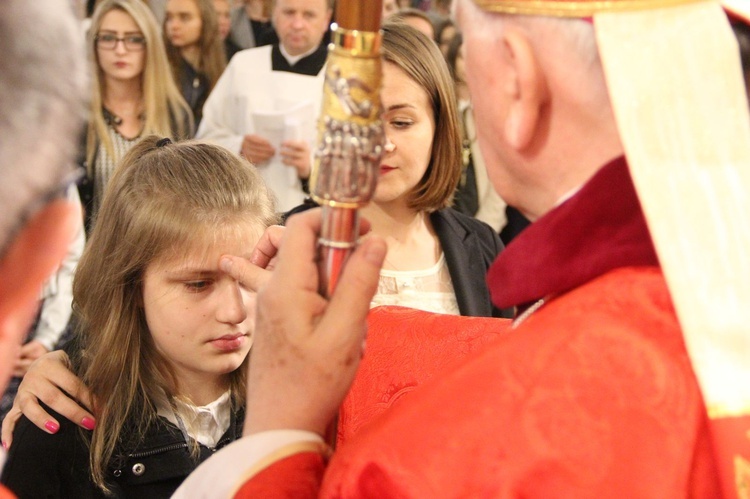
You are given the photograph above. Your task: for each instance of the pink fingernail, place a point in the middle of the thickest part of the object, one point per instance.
(5, 445)
(88, 423)
(51, 426)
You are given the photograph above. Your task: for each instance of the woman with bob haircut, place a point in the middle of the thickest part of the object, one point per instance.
(437, 258)
(195, 50)
(164, 332)
(133, 93)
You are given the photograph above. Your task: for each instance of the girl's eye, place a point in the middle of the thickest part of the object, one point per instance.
(401, 123)
(135, 40)
(197, 285)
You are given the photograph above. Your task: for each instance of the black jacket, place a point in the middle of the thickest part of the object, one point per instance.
(194, 87)
(40, 465)
(470, 247)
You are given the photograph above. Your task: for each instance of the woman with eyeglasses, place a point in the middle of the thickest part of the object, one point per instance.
(133, 93)
(195, 50)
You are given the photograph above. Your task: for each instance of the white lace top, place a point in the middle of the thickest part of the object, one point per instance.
(429, 289)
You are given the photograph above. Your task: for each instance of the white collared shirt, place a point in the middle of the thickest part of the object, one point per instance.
(206, 424)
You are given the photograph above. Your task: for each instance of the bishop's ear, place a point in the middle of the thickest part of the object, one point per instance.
(525, 88)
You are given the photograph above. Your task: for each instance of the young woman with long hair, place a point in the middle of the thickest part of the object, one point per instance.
(164, 331)
(133, 93)
(195, 49)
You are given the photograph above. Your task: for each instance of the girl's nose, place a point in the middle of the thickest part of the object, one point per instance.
(232, 309)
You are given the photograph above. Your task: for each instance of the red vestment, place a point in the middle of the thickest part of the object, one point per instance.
(592, 395)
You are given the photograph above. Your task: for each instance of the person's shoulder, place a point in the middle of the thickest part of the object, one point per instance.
(28, 434)
(251, 54)
(248, 61)
(35, 458)
(307, 204)
(456, 216)
(620, 322)
(459, 221)
(624, 305)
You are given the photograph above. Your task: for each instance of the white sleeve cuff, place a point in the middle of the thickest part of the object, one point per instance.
(219, 476)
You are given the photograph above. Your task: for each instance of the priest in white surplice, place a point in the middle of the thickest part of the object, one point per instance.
(265, 104)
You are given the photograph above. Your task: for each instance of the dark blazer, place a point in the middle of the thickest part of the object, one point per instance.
(470, 247)
(43, 465)
(194, 87)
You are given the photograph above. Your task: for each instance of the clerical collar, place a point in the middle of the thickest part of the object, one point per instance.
(307, 65)
(294, 59)
(600, 228)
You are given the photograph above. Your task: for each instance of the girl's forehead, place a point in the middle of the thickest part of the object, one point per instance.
(205, 246)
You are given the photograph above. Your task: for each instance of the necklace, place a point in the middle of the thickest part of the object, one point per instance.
(112, 119)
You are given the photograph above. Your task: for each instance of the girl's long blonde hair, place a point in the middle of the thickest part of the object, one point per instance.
(159, 201)
(165, 111)
(213, 58)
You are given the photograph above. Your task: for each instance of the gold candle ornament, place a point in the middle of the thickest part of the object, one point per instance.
(350, 134)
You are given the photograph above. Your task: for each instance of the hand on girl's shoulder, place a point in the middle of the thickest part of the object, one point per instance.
(36, 459)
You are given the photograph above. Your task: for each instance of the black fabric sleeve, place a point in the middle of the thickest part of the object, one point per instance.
(40, 465)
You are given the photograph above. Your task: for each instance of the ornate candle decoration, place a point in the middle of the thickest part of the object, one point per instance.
(350, 134)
